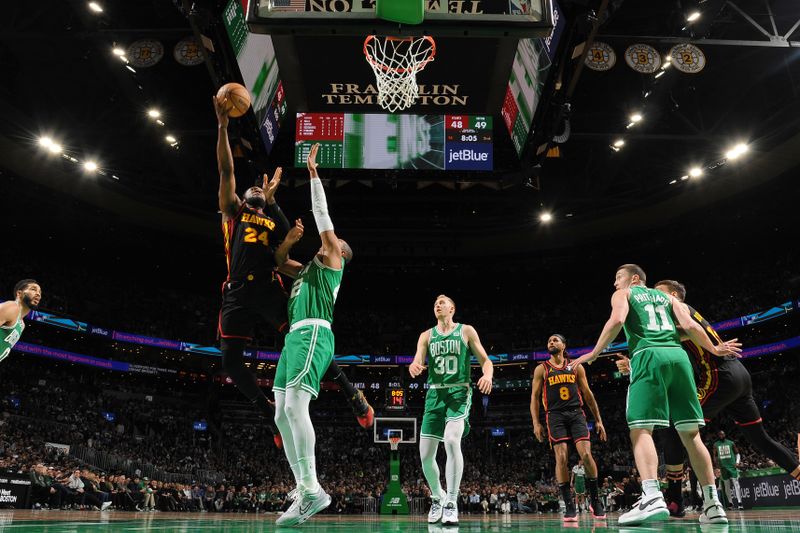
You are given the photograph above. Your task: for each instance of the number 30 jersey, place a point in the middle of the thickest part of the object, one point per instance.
(560, 387)
(448, 358)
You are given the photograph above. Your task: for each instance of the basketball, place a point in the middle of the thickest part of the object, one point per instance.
(238, 98)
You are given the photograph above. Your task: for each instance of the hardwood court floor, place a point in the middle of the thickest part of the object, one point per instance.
(773, 520)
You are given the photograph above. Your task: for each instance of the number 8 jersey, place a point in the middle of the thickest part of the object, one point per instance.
(448, 358)
(650, 323)
(560, 387)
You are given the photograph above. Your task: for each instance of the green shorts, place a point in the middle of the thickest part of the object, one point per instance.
(729, 473)
(307, 354)
(662, 389)
(443, 406)
(580, 486)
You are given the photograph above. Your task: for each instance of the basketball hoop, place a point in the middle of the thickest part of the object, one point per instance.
(394, 442)
(395, 62)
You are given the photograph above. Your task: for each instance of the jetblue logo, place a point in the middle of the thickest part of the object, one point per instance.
(468, 156)
(382, 359)
(99, 331)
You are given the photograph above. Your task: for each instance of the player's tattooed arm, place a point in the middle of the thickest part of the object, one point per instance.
(474, 342)
(588, 396)
(285, 265)
(229, 202)
(699, 335)
(417, 366)
(536, 394)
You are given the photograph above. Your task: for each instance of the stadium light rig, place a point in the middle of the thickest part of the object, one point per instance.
(546, 217)
(90, 166)
(694, 15)
(94, 6)
(695, 172)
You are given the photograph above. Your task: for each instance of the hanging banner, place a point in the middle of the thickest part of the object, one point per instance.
(688, 58)
(643, 58)
(601, 57)
(145, 53)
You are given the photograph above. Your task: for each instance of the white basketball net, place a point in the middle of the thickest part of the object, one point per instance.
(395, 62)
(394, 442)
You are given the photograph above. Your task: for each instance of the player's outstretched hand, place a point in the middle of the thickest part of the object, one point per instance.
(311, 162)
(221, 109)
(485, 385)
(415, 369)
(296, 233)
(270, 186)
(731, 347)
(623, 363)
(601, 431)
(538, 432)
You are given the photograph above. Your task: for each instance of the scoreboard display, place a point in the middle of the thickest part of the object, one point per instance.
(395, 399)
(381, 141)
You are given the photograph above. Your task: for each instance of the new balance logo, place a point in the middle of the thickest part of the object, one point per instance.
(394, 501)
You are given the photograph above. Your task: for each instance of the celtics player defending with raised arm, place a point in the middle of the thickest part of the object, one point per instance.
(662, 387)
(27, 294)
(563, 388)
(726, 457)
(448, 346)
(308, 348)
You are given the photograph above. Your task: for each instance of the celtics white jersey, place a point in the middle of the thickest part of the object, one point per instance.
(579, 471)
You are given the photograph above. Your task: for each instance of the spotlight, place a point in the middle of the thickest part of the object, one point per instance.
(619, 143)
(659, 74)
(45, 142)
(684, 178)
(91, 166)
(636, 117)
(546, 217)
(94, 6)
(130, 68)
(694, 15)
(170, 139)
(736, 151)
(153, 113)
(54, 148)
(160, 122)
(695, 172)
(117, 51)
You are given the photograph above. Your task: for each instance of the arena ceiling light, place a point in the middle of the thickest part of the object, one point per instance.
(94, 6)
(736, 151)
(636, 117)
(546, 217)
(117, 51)
(171, 139)
(153, 113)
(91, 166)
(45, 142)
(695, 172)
(619, 143)
(694, 15)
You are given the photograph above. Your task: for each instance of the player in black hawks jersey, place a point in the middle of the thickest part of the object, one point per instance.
(563, 388)
(723, 384)
(253, 227)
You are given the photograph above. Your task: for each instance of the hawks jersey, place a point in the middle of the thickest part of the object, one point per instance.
(314, 292)
(649, 323)
(448, 358)
(706, 364)
(9, 335)
(560, 387)
(249, 243)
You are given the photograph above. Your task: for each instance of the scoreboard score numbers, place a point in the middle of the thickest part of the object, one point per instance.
(395, 399)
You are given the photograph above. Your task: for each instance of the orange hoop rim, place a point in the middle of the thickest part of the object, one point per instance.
(420, 65)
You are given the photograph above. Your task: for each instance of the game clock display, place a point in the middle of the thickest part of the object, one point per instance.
(395, 399)
(350, 140)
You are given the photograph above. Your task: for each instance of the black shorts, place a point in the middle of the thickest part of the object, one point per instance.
(732, 394)
(245, 301)
(566, 425)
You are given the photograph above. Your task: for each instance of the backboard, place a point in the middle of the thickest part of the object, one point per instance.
(507, 18)
(385, 427)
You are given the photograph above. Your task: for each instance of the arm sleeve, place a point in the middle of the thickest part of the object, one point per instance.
(319, 206)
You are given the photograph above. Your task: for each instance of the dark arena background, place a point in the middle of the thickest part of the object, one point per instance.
(549, 142)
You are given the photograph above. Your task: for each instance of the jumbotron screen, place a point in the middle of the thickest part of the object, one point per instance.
(381, 141)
